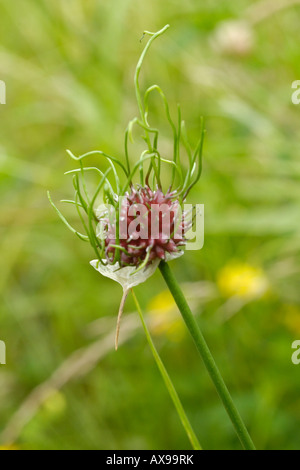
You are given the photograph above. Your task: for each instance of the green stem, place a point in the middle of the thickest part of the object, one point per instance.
(206, 356)
(171, 389)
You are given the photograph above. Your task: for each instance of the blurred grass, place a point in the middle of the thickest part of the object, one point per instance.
(68, 67)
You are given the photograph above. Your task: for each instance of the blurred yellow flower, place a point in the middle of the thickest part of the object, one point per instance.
(9, 447)
(242, 280)
(164, 318)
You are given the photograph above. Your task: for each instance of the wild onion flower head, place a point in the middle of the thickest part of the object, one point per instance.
(137, 223)
(156, 232)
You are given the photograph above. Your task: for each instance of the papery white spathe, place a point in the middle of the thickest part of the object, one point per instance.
(128, 278)
(125, 276)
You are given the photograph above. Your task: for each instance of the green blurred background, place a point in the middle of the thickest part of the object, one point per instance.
(68, 68)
